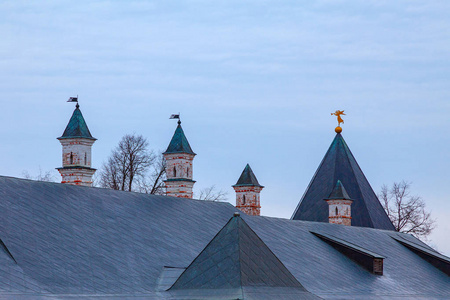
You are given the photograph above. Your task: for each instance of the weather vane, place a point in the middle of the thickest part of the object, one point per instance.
(338, 114)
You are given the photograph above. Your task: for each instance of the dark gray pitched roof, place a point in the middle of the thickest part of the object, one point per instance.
(77, 127)
(340, 164)
(179, 142)
(236, 257)
(247, 178)
(339, 192)
(73, 242)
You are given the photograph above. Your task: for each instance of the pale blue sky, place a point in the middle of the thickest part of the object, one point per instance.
(255, 82)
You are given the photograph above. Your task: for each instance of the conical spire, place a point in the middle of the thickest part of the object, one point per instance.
(236, 257)
(179, 142)
(247, 178)
(339, 192)
(340, 164)
(77, 127)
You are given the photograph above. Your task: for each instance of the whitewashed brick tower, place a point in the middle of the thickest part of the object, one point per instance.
(339, 206)
(247, 191)
(76, 144)
(179, 169)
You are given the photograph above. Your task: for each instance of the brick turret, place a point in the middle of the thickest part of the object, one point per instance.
(179, 169)
(247, 192)
(339, 206)
(76, 144)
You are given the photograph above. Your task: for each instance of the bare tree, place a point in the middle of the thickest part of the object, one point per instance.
(128, 163)
(153, 182)
(212, 194)
(406, 212)
(42, 176)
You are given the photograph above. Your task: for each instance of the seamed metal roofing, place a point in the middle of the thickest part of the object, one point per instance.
(77, 127)
(340, 164)
(236, 259)
(72, 242)
(179, 142)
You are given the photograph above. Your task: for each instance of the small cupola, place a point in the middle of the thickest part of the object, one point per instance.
(248, 192)
(339, 206)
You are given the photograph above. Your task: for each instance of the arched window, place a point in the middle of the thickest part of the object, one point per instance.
(187, 172)
(243, 199)
(71, 158)
(336, 211)
(174, 172)
(85, 158)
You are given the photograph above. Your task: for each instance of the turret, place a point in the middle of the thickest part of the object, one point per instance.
(179, 169)
(339, 206)
(247, 192)
(76, 144)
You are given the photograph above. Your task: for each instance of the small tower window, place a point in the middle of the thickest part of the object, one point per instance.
(85, 158)
(71, 158)
(336, 211)
(243, 199)
(187, 172)
(174, 172)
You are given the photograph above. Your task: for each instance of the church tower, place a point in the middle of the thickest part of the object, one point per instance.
(179, 157)
(76, 144)
(247, 192)
(339, 206)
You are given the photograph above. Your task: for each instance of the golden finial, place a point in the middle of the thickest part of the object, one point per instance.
(338, 113)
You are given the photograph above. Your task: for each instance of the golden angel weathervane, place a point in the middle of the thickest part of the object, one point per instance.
(338, 114)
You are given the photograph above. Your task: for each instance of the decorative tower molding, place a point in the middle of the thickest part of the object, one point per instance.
(339, 206)
(179, 169)
(77, 144)
(247, 191)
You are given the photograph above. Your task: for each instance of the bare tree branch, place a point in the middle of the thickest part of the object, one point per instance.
(41, 176)
(153, 182)
(128, 163)
(212, 194)
(406, 212)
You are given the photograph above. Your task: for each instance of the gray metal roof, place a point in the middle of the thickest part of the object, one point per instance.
(236, 258)
(247, 178)
(73, 242)
(339, 192)
(340, 164)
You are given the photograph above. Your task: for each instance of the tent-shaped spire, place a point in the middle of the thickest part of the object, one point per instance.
(339, 192)
(236, 258)
(340, 164)
(77, 127)
(247, 178)
(179, 142)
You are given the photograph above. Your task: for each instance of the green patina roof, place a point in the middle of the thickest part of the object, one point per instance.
(77, 127)
(179, 142)
(339, 192)
(247, 178)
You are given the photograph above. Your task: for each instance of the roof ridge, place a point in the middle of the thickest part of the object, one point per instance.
(357, 183)
(236, 257)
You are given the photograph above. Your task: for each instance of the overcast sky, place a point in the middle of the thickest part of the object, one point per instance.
(255, 82)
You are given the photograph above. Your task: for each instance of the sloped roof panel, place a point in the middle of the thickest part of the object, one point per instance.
(340, 164)
(82, 242)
